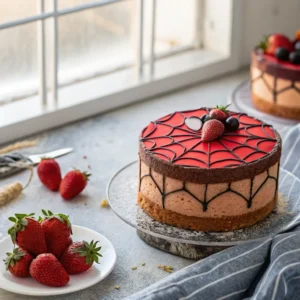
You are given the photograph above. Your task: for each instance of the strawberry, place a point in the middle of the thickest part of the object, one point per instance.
(49, 173)
(18, 262)
(297, 35)
(275, 41)
(211, 130)
(57, 229)
(46, 269)
(219, 112)
(28, 233)
(80, 256)
(73, 184)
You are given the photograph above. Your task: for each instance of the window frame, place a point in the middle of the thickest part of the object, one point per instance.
(149, 78)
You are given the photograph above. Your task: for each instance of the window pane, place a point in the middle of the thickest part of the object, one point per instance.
(104, 38)
(176, 21)
(92, 42)
(175, 24)
(70, 3)
(13, 10)
(18, 61)
(95, 40)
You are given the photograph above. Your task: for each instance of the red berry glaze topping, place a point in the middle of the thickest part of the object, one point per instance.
(169, 139)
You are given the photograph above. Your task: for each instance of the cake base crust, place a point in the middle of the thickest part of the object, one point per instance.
(204, 224)
(275, 109)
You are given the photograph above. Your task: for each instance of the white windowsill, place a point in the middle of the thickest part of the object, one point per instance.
(25, 117)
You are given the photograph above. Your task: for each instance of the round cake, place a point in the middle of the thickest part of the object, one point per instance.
(275, 77)
(223, 184)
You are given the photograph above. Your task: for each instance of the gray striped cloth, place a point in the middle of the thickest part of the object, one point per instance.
(265, 269)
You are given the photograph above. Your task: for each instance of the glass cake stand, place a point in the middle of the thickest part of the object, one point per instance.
(122, 196)
(241, 99)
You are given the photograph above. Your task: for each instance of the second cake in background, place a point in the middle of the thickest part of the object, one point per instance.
(275, 76)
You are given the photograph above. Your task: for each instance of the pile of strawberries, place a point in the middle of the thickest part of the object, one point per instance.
(46, 251)
(216, 122)
(69, 187)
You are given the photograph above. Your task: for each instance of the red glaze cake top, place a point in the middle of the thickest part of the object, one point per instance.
(279, 69)
(171, 140)
(285, 64)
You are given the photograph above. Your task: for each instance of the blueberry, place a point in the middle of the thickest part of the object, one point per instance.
(205, 118)
(295, 58)
(282, 53)
(232, 124)
(297, 46)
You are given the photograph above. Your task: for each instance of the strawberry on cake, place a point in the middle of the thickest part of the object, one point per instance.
(275, 76)
(208, 169)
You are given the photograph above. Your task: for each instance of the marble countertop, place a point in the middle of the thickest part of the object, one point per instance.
(105, 143)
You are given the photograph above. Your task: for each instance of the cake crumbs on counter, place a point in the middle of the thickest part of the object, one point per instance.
(117, 287)
(168, 269)
(281, 206)
(104, 203)
(141, 265)
(228, 233)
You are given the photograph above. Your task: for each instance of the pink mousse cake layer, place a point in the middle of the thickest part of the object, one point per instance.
(261, 191)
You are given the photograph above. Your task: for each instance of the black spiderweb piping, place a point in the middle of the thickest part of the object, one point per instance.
(205, 202)
(274, 91)
(234, 159)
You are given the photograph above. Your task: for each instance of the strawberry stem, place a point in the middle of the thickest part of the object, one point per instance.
(90, 251)
(223, 107)
(85, 174)
(11, 258)
(59, 216)
(21, 222)
(263, 44)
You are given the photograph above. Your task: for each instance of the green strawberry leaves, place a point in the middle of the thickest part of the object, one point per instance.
(90, 251)
(47, 214)
(263, 44)
(61, 217)
(85, 174)
(21, 222)
(22, 216)
(13, 257)
(222, 107)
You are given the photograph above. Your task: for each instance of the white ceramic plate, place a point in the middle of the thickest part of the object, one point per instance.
(28, 286)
